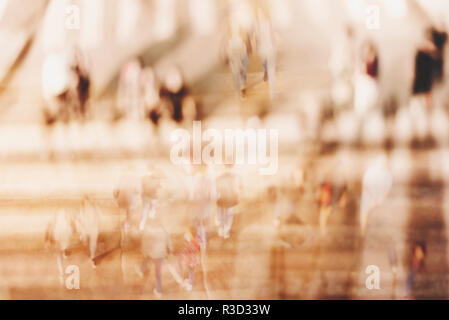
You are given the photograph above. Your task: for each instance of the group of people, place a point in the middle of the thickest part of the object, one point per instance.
(138, 199)
(142, 95)
(356, 69)
(203, 194)
(66, 87)
(66, 229)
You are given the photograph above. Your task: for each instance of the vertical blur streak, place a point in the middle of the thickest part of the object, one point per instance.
(203, 15)
(54, 33)
(426, 228)
(3, 5)
(92, 23)
(165, 23)
(280, 13)
(128, 18)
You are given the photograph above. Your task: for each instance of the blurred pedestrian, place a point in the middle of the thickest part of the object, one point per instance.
(59, 235)
(429, 64)
(376, 184)
(237, 57)
(176, 96)
(128, 194)
(332, 196)
(266, 49)
(156, 245)
(150, 186)
(202, 196)
(417, 264)
(150, 94)
(274, 197)
(81, 69)
(59, 84)
(366, 79)
(342, 65)
(88, 226)
(129, 95)
(227, 198)
(189, 258)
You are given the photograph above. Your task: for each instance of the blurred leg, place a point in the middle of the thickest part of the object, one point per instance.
(229, 217)
(271, 74)
(152, 212)
(220, 218)
(143, 267)
(324, 214)
(265, 69)
(158, 269)
(243, 72)
(236, 77)
(93, 248)
(60, 267)
(191, 274)
(145, 210)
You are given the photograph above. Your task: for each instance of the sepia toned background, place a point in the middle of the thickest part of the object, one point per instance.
(46, 168)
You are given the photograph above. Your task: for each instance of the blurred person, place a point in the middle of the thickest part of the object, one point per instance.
(57, 87)
(366, 80)
(417, 264)
(393, 259)
(80, 68)
(156, 245)
(274, 197)
(296, 182)
(266, 49)
(59, 235)
(429, 66)
(88, 226)
(151, 97)
(150, 186)
(342, 65)
(236, 50)
(189, 258)
(129, 97)
(227, 188)
(176, 96)
(371, 60)
(202, 196)
(128, 194)
(376, 184)
(332, 196)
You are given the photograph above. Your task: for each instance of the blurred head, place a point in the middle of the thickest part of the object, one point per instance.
(173, 79)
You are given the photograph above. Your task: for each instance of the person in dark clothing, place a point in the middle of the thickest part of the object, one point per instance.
(82, 89)
(176, 96)
(439, 39)
(175, 101)
(417, 264)
(371, 60)
(154, 115)
(423, 72)
(429, 64)
(83, 82)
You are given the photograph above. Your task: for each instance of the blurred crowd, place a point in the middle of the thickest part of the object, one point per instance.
(211, 195)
